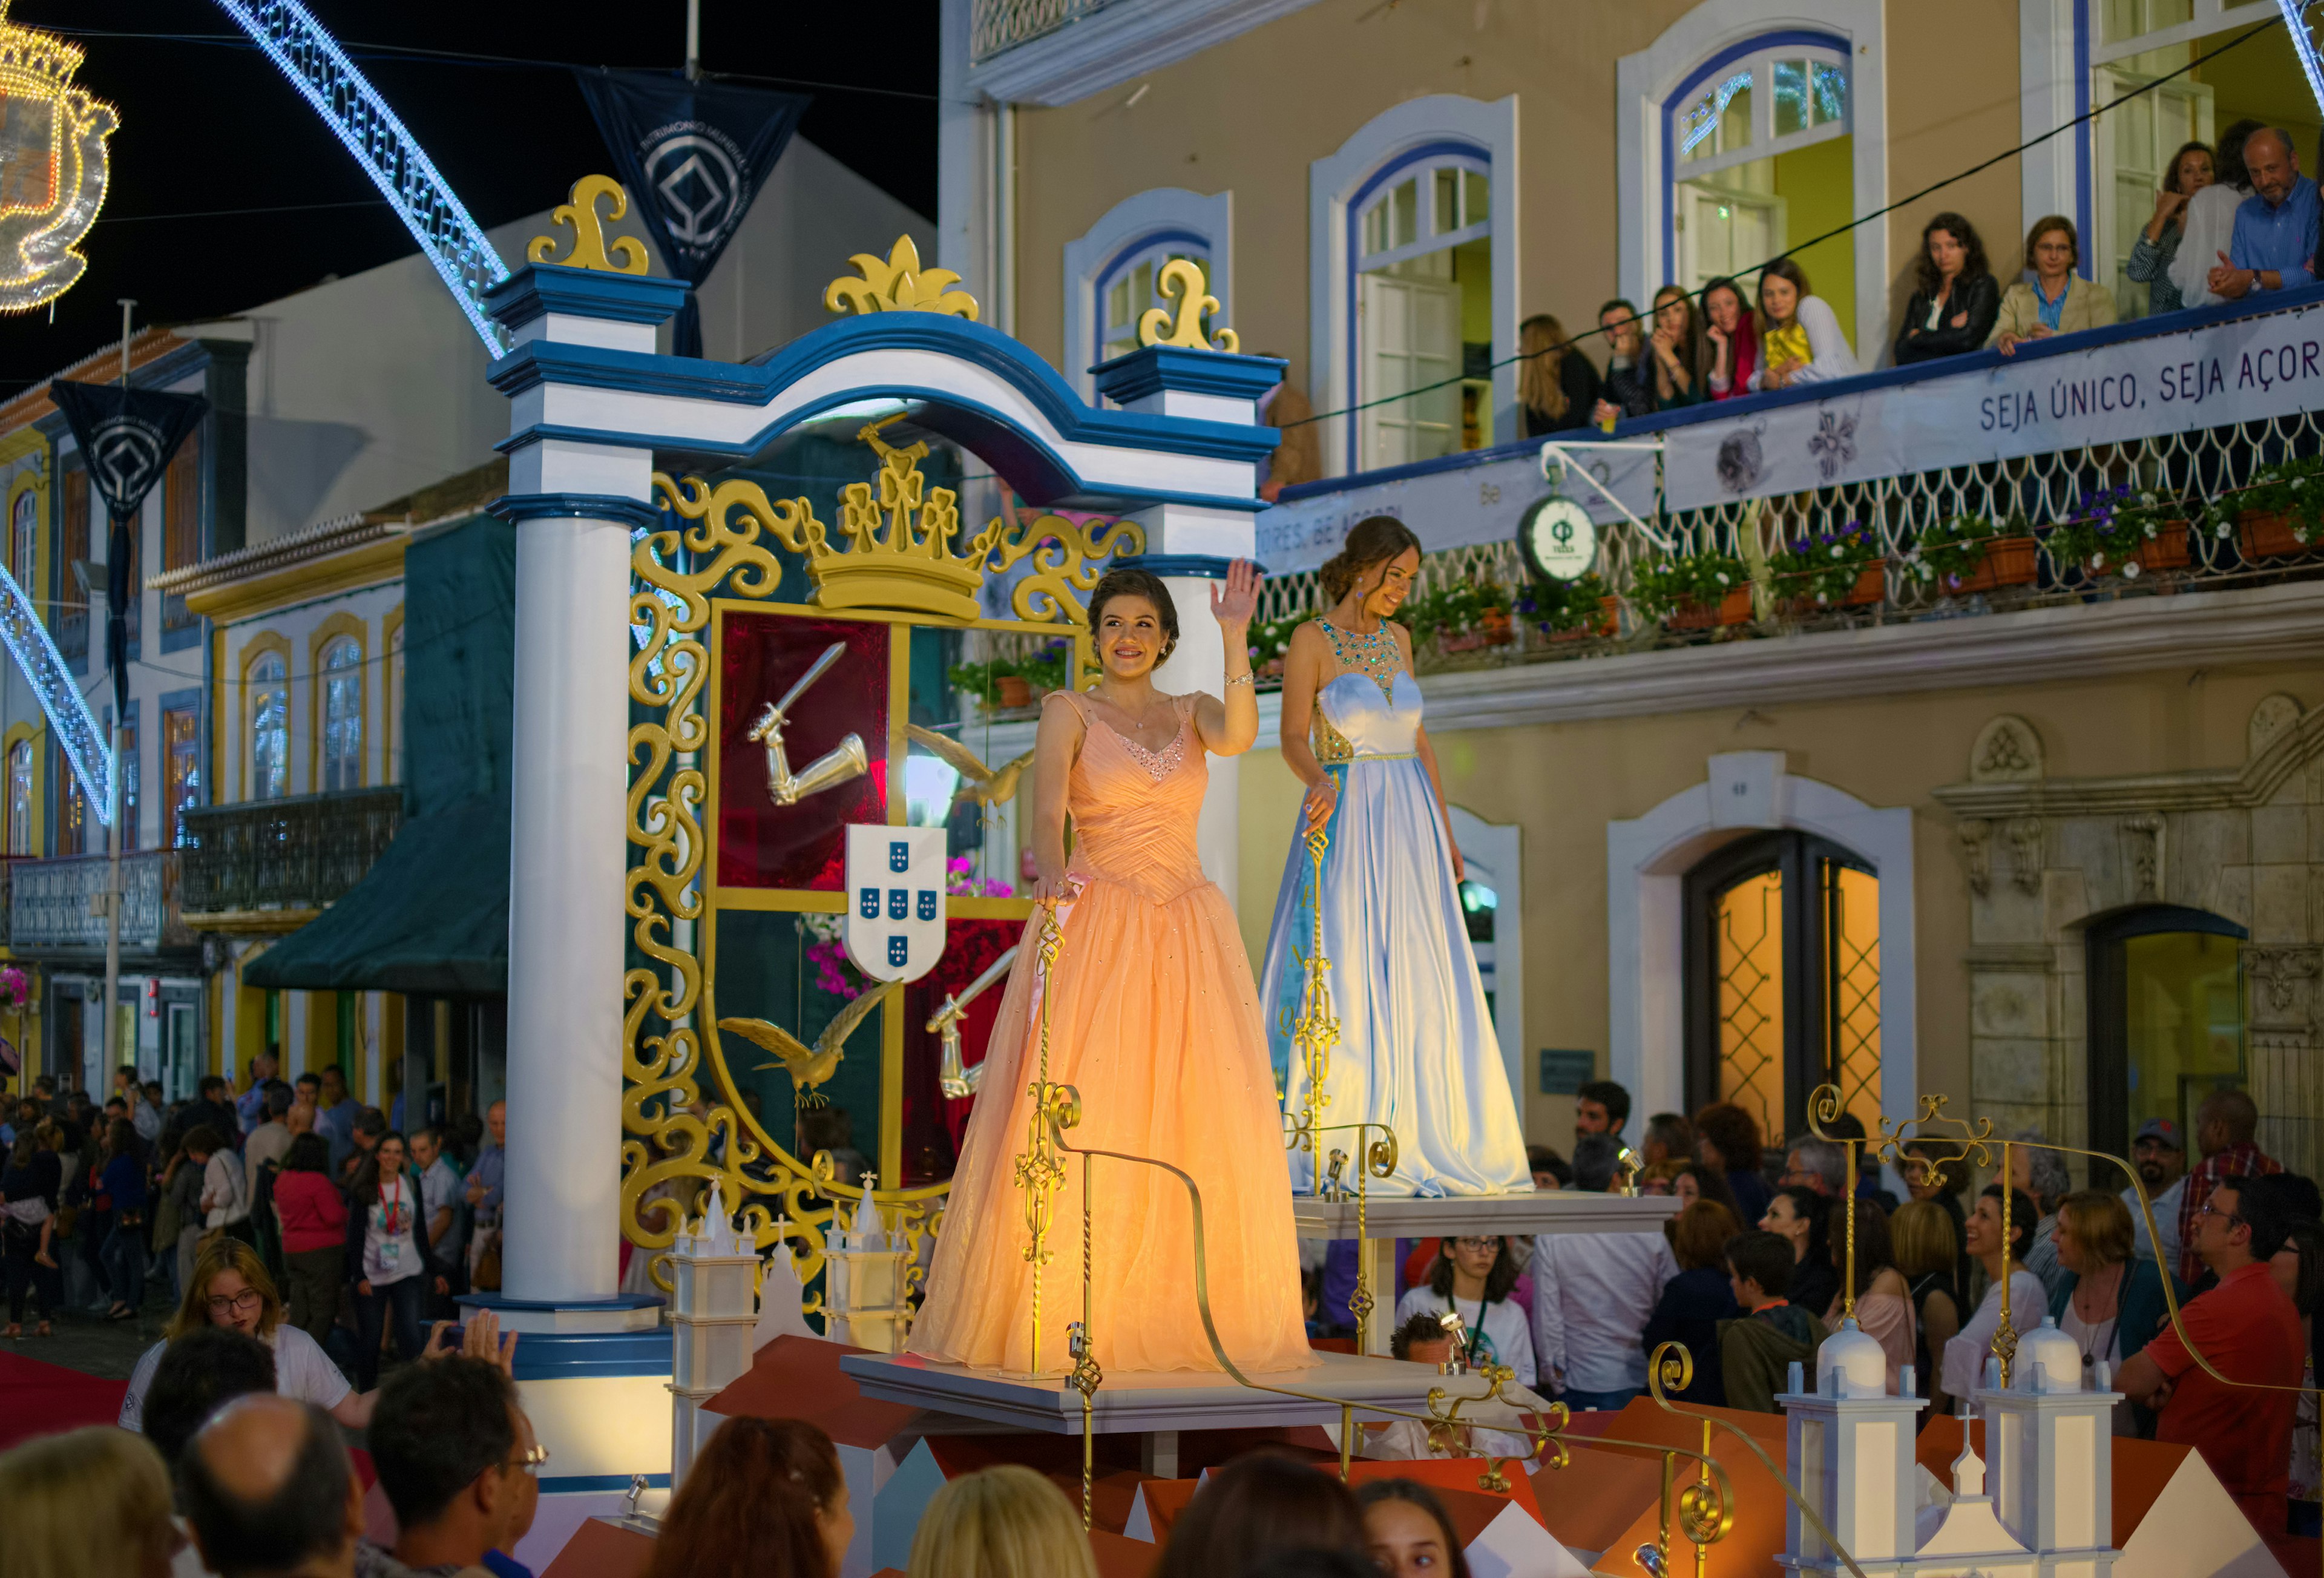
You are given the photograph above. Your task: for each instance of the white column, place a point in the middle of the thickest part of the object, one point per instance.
(560, 1234)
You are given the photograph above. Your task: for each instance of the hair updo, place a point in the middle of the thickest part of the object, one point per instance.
(1374, 539)
(1129, 581)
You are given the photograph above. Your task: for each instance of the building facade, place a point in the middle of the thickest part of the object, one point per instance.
(2041, 847)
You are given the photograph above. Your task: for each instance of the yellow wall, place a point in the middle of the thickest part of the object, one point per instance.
(1564, 783)
(1818, 189)
(1252, 114)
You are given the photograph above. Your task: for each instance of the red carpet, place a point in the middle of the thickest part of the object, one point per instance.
(40, 1399)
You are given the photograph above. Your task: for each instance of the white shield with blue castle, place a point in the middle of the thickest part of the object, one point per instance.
(895, 900)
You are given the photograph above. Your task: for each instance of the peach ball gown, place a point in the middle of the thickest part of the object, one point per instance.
(1154, 1019)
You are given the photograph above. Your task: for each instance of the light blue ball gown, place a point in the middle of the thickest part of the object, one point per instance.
(1417, 1050)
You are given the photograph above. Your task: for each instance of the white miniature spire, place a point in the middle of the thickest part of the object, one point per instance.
(1968, 1469)
(867, 1233)
(779, 1302)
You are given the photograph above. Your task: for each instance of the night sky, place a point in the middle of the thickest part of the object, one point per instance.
(208, 123)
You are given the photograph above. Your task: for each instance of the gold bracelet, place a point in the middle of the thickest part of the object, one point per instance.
(1236, 679)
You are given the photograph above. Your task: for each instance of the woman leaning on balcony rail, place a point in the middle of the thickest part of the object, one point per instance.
(2059, 300)
(1557, 385)
(2157, 246)
(1731, 341)
(1954, 300)
(1799, 333)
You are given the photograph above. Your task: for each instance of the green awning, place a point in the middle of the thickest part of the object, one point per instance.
(430, 918)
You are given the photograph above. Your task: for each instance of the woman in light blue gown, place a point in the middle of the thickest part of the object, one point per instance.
(1416, 1049)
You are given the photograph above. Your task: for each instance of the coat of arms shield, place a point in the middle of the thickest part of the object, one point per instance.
(895, 900)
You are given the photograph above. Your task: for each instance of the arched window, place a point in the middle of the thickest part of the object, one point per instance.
(24, 540)
(24, 838)
(1748, 128)
(1424, 289)
(1783, 980)
(1748, 137)
(270, 727)
(1110, 271)
(343, 714)
(1412, 282)
(1126, 292)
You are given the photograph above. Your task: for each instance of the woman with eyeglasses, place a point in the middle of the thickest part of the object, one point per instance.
(229, 1286)
(1473, 1278)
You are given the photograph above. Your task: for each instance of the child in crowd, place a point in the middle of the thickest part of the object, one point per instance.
(1757, 1349)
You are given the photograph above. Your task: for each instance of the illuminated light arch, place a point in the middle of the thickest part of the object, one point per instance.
(78, 735)
(389, 153)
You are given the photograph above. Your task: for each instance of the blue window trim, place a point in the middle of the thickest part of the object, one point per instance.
(1424, 154)
(1125, 255)
(2083, 134)
(1757, 44)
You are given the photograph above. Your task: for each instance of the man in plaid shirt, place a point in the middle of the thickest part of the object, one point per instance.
(2223, 1126)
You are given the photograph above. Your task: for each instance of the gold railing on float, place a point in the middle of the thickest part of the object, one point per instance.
(1703, 1511)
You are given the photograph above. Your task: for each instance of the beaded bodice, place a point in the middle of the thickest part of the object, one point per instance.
(1375, 656)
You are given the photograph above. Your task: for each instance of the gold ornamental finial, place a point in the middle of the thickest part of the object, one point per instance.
(1181, 280)
(899, 284)
(589, 248)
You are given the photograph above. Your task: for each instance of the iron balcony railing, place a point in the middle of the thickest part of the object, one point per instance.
(52, 903)
(297, 853)
(999, 25)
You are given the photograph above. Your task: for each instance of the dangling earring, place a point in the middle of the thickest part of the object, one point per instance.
(1168, 647)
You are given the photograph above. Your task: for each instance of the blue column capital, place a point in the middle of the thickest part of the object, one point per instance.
(515, 508)
(1152, 370)
(537, 290)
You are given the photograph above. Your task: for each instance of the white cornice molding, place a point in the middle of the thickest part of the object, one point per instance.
(1126, 40)
(2073, 641)
(2133, 636)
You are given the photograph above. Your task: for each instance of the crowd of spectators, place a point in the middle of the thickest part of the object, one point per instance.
(1578, 1317)
(2228, 222)
(372, 1234)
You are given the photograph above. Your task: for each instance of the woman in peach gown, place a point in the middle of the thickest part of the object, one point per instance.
(1154, 1019)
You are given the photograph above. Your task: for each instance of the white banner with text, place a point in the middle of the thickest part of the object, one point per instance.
(2242, 370)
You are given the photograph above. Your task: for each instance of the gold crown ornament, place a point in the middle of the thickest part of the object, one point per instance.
(52, 165)
(902, 550)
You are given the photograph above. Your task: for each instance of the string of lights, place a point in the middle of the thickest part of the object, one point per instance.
(388, 152)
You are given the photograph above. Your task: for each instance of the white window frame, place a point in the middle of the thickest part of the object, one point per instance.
(2059, 53)
(328, 675)
(1647, 861)
(1724, 35)
(259, 685)
(1760, 67)
(1434, 129)
(1163, 218)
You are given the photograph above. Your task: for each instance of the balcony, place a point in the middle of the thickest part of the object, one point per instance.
(272, 865)
(51, 906)
(1968, 521)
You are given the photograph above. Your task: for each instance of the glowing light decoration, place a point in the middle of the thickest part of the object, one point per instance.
(328, 81)
(83, 742)
(52, 165)
(2303, 44)
(1703, 118)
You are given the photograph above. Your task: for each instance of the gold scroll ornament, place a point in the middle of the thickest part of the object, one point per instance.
(590, 248)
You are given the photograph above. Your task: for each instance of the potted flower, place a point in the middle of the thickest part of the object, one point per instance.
(1692, 591)
(1566, 610)
(1961, 554)
(1832, 570)
(2279, 513)
(2124, 531)
(1048, 668)
(1475, 613)
(996, 685)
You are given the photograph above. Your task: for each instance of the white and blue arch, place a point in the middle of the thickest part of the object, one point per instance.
(1183, 434)
(1143, 227)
